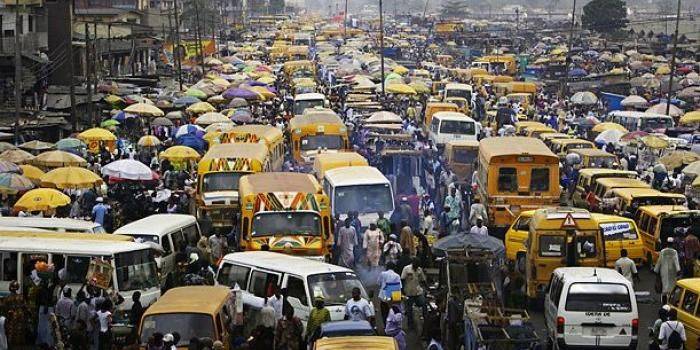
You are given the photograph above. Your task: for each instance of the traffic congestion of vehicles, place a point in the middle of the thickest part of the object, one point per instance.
(306, 182)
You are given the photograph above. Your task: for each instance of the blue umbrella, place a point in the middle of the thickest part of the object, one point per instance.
(255, 83)
(242, 115)
(121, 116)
(578, 72)
(191, 141)
(240, 93)
(190, 129)
(185, 101)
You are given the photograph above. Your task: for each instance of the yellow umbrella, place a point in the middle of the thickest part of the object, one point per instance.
(201, 107)
(400, 70)
(690, 117)
(180, 153)
(54, 159)
(651, 141)
(400, 89)
(261, 90)
(144, 109)
(37, 145)
(148, 141)
(221, 82)
(663, 70)
(32, 173)
(97, 134)
(42, 199)
(16, 156)
(609, 126)
(211, 118)
(696, 182)
(267, 79)
(70, 177)
(226, 126)
(420, 88)
(212, 137)
(113, 99)
(677, 159)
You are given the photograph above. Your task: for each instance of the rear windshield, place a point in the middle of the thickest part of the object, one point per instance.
(598, 297)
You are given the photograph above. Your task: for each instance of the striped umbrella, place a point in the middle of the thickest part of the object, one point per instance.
(12, 183)
(9, 167)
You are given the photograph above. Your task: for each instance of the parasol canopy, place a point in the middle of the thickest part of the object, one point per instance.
(37, 145)
(238, 102)
(42, 199)
(32, 173)
(584, 98)
(609, 136)
(633, 101)
(70, 144)
(16, 156)
(180, 153)
(9, 167)
(609, 126)
(383, 117)
(70, 177)
(144, 109)
(693, 169)
(54, 159)
(690, 117)
(201, 107)
(128, 169)
(211, 118)
(97, 134)
(4, 146)
(241, 93)
(400, 89)
(148, 141)
(12, 183)
(655, 142)
(677, 159)
(162, 121)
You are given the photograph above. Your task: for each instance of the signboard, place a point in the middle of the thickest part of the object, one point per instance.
(100, 273)
(189, 49)
(569, 221)
(616, 228)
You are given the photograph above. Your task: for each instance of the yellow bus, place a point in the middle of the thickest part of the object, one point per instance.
(288, 212)
(684, 298)
(316, 131)
(328, 161)
(620, 233)
(633, 198)
(270, 136)
(218, 173)
(658, 222)
(562, 147)
(587, 178)
(516, 174)
(559, 237)
(596, 158)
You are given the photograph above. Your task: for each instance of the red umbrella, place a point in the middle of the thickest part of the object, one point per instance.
(633, 135)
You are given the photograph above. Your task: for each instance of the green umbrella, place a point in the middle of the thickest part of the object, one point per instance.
(109, 123)
(69, 143)
(196, 93)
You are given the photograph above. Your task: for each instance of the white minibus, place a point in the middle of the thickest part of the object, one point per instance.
(52, 224)
(448, 126)
(363, 189)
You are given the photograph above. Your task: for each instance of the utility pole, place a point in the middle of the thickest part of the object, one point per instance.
(18, 71)
(88, 69)
(198, 35)
(345, 23)
(109, 49)
(673, 60)
(381, 44)
(176, 45)
(564, 87)
(71, 68)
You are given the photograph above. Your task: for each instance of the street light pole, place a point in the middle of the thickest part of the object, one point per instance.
(673, 60)
(18, 71)
(564, 87)
(345, 23)
(381, 43)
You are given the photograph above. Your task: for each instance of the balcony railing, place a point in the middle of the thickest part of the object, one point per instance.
(30, 43)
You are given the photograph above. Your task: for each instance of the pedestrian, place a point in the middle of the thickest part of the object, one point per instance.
(667, 268)
(477, 211)
(99, 211)
(358, 308)
(672, 333)
(654, 342)
(65, 309)
(289, 331)
(406, 239)
(347, 240)
(384, 225)
(218, 246)
(135, 314)
(691, 248)
(413, 280)
(479, 228)
(276, 301)
(372, 242)
(392, 250)
(104, 319)
(393, 325)
(318, 315)
(389, 288)
(3, 335)
(626, 267)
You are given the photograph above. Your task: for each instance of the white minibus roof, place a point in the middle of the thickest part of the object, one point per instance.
(49, 223)
(67, 246)
(452, 116)
(355, 175)
(157, 225)
(309, 96)
(590, 274)
(283, 263)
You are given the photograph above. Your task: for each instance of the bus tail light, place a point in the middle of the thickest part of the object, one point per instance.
(560, 325)
(635, 326)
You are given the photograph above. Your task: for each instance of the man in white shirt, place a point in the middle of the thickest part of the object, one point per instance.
(668, 328)
(625, 266)
(276, 302)
(358, 308)
(479, 228)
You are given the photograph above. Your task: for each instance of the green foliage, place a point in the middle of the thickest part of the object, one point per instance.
(605, 16)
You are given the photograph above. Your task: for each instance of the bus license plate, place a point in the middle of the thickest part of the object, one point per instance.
(599, 331)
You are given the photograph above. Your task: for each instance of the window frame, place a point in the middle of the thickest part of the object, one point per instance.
(267, 280)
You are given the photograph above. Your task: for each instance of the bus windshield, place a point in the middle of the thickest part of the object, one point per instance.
(287, 222)
(136, 270)
(457, 127)
(221, 181)
(314, 142)
(188, 325)
(465, 155)
(655, 123)
(465, 94)
(301, 105)
(336, 288)
(363, 198)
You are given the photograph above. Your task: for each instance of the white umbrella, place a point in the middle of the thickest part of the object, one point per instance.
(661, 109)
(584, 98)
(633, 101)
(128, 169)
(609, 136)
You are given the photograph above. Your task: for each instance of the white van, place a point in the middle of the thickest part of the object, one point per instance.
(170, 233)
(359, 188)
(448, 126)
(590, 307)
(634, 120)
(258, 273)
(51, 224)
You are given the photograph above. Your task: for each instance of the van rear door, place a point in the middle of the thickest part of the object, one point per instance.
(598, 314)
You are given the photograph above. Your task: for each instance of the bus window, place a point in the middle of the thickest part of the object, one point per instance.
(690, 300)
(675, 296)
(552, 246)
(507, 180)
(77, 268)
(295, 289)
(9, 266)
(232, 274)
(539, 180)
(262, 283)
(586, 246)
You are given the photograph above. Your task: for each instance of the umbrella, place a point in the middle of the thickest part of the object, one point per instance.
(70, 144)
(70, 177)
(211, 61)
(690, 117)
(185, 101)
(656, 142)
(238, 102)
(37, 145)
(610, 126)
(174, 115)
(16, 156)
(633, 135)
(689, 92)
(9, 167)
(13, 183)
(219, 127)
(242, 115)
(4, 146)
(216, 100)
(110, 123)
(400, 89)
(32, 173)
(420, 88)
(189, 129)
(609, 136)
(128, 169)
(97, 134)
(121, 116)
(42, 199)
(54, 159)
(162, 121)
(180, 153)
(241, 93)
(263, 91)
(113, 99)
(660, 108)
(633, 101)
(196, 93)
(148, 141)
(676, 159)
(383, 117)
(578, 72)
(696, 183)
(211, 118)
(693, 169)
(584, 98)
(144, 109)
(201, 107)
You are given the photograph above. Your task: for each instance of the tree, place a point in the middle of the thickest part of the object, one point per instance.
(454, 9)
(607, 17)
